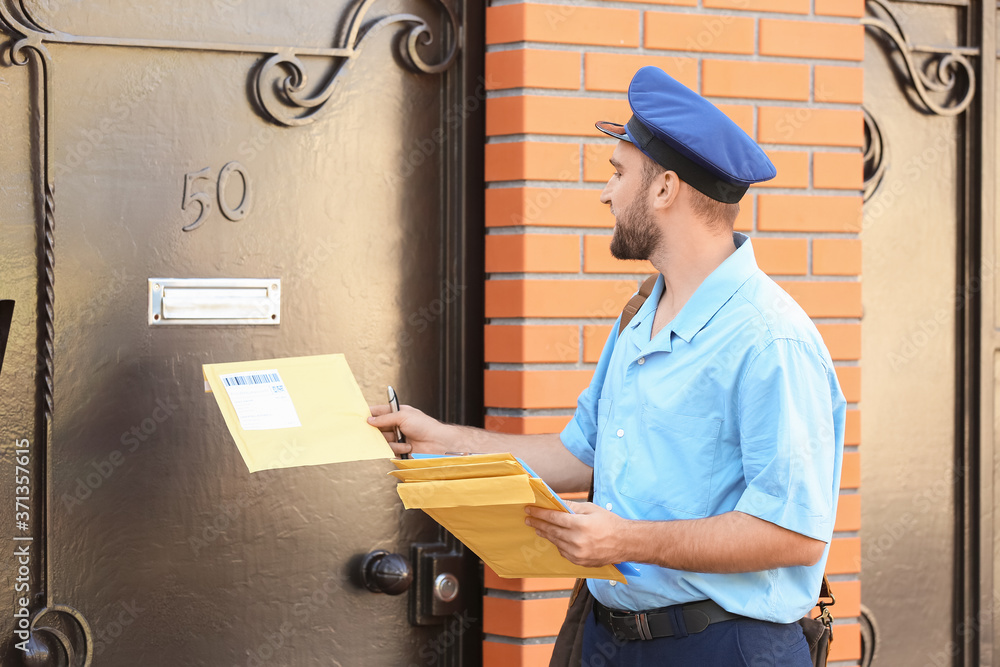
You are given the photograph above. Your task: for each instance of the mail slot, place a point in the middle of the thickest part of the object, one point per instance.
(214, 301)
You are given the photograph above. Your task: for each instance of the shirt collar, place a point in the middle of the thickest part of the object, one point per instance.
(711, 295)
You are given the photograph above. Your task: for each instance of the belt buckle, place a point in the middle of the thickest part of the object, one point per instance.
(642, 624)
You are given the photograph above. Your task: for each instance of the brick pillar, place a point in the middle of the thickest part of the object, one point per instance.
(789, 73)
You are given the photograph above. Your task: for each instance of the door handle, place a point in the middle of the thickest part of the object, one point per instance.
(385, 572)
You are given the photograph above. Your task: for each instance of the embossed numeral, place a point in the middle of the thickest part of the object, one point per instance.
(201, 198)
(240, 211)
(204, 200)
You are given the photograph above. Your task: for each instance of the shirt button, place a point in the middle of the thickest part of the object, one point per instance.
(641, 361)
(608, 506)
(613, 583)
(621, 432)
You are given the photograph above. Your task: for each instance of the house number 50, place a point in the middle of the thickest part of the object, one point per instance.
(204, 200)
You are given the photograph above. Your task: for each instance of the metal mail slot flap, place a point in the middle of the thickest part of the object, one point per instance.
(214, 301)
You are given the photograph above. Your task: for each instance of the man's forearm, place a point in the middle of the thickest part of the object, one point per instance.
(727, 543)
(545, 454)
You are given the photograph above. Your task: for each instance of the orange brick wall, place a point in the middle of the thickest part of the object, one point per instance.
(787, 71)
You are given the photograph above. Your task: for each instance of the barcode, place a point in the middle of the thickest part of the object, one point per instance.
(251, 378)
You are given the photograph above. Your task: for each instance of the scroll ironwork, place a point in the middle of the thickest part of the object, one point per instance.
(949, 65)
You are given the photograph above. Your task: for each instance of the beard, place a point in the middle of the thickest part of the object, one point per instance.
(635, 235)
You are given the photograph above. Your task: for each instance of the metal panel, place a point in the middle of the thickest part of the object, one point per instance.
(913, 471)
(154, 531)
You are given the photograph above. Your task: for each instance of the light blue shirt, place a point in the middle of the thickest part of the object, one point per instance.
(734, 405)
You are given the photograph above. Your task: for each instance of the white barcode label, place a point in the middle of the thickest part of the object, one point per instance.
(261, 400)
(251, 378)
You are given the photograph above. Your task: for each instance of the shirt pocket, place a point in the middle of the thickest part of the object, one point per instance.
(672, 464)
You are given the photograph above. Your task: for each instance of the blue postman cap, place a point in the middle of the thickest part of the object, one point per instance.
(685, 133)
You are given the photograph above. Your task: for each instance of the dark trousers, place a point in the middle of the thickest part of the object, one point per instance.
(735, 643)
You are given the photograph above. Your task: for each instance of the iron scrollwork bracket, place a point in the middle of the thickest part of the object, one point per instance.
(58, 636)
(949, 64)
(290, 92)
(287, 103)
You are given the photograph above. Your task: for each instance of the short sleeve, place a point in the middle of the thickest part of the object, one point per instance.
(791, 416)
(580, 434)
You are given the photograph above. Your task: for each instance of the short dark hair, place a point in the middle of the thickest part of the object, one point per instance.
(715, 213)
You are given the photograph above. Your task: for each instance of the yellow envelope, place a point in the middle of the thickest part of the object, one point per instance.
(472, 470)
(487, 512)
(296, 411)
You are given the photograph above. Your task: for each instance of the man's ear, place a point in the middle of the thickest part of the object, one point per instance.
(666, 188)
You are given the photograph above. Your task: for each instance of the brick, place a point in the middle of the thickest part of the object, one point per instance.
(613, 71)
(812, 39)
(514, 344)
(809, 213)
(714, 33)
(596, 165)
(597, 258)
(562, 24)
(523, 618)
(847, 647)
(540, 114)
(530, 425)
(533, 389)
(740, 114)
(782, 257)
(849, 8)
(826, 299)
(532, 68)
(551, 207)
(839, 84)
(850, 382)
(845, 556)
(545, 253)
(836, 257)
(848, 599)
(848, 513)
(852, 428)
(755, 80)
(498, 654)
(842, 340)
(679, 3)
(492, 580)
(850, 476)
(594, 338)
(839, 171)
(793, 169)
(558, 298)
(532, 160)
(784, 6)
(803, 126)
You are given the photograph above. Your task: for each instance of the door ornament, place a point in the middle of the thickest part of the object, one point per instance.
(60, 637)
(952, 76)
(876, 155)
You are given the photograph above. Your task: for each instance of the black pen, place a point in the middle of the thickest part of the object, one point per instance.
(394, 406)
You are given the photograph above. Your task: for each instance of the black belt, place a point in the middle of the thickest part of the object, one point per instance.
(656, 623)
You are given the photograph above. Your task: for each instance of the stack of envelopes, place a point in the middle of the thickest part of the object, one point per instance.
(480, 499)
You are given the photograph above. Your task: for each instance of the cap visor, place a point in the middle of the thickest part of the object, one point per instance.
(615, 130)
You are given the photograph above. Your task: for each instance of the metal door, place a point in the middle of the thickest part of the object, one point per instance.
(927, 462)
(331, 146)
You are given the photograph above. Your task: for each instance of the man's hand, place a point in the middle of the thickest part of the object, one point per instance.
(423, 433)
(592, 537)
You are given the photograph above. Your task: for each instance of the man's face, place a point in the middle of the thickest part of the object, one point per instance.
(628, 192)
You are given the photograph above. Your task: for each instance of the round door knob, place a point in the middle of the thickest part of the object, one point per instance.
(384, 572)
